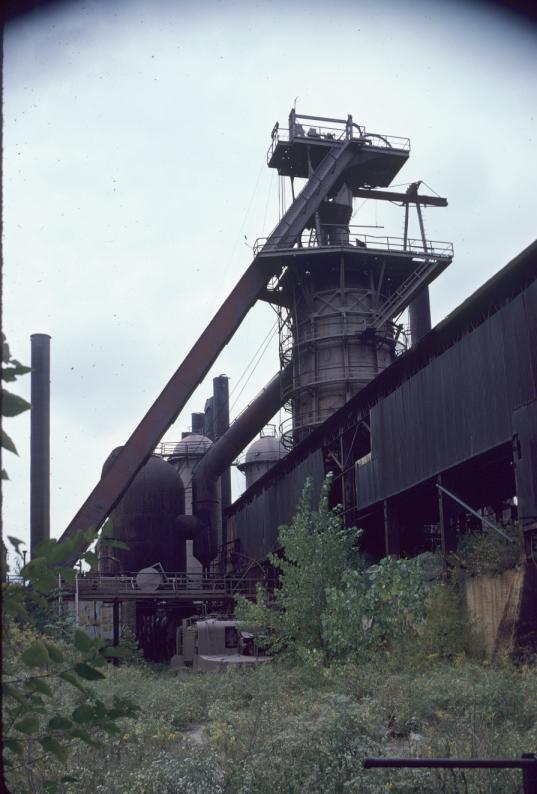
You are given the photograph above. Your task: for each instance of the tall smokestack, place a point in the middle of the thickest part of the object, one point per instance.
(40, 441)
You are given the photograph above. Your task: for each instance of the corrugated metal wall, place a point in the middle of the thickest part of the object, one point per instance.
(256, 522)
(458, 406)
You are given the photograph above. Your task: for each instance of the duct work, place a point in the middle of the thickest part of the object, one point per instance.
(419, 314)
(205, 526)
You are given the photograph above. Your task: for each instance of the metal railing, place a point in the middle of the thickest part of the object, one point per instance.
(170, 583)
(167, 448)
(371, 242)
(16, 579)
(527, 763)
(335, 133)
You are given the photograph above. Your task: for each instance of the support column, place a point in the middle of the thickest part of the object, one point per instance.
(348, 485)
(446, 513)
(115, 627)
(221, 425)
(392, 530)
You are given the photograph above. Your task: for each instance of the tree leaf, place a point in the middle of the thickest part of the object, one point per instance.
(83, 714)
(91, 558)
(54, 652)
(20, 369)
(6, 353)
(82, 641)
(116, 652)
(28, 725)
(11, 691)
(51, 745)
(38, 685)
(12, 404)
(115, 544)
(13, 607)
(16, 542)
(36, 655)
(110, 728)
(14, 745)
(85, 737)
(72, 679)
(8, 444)
(59, 723)
(89, 673)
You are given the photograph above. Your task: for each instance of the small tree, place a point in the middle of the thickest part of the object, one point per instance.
(329, 605)
(317, 549)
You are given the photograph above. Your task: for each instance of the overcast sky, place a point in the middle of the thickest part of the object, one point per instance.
(135, 136)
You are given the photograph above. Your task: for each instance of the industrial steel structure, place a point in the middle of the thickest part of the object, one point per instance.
(420, 427)
(459, 409)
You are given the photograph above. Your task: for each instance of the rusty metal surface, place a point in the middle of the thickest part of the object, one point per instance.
(171, 401)
(203, 354)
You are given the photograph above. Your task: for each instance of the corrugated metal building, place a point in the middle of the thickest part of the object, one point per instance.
(458, 409)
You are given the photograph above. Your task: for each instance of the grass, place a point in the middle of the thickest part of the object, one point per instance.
(285, 729)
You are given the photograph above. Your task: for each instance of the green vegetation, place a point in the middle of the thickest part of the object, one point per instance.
(46, 660)
(294, 728)
(487, 553)
(376, 660)
(329, 605)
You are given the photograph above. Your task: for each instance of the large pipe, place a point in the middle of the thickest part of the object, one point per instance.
(208, 423)
(419, 313)
(205, 498)
(221, 426)
(40, 441)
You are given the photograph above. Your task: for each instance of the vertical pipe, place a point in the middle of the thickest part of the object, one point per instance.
(40, 441)
(115, 628)
(419, 313)
(77, 605)
(198, 422)
(406, 228)
(529, 775)
(208, 422)
(221, 425)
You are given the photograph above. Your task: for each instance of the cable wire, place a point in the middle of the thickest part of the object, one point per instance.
(272, 328)
(253, 369)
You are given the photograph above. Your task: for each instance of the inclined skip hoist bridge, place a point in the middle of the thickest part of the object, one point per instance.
(337, 293)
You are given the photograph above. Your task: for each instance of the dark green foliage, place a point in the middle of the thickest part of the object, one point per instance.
(447, 632)
(487, 553)
(317, 550)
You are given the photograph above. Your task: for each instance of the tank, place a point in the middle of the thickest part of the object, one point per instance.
(145, 519)
(185, 457)
(260, 457)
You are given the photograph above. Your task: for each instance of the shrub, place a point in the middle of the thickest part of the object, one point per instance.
(488, 553)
